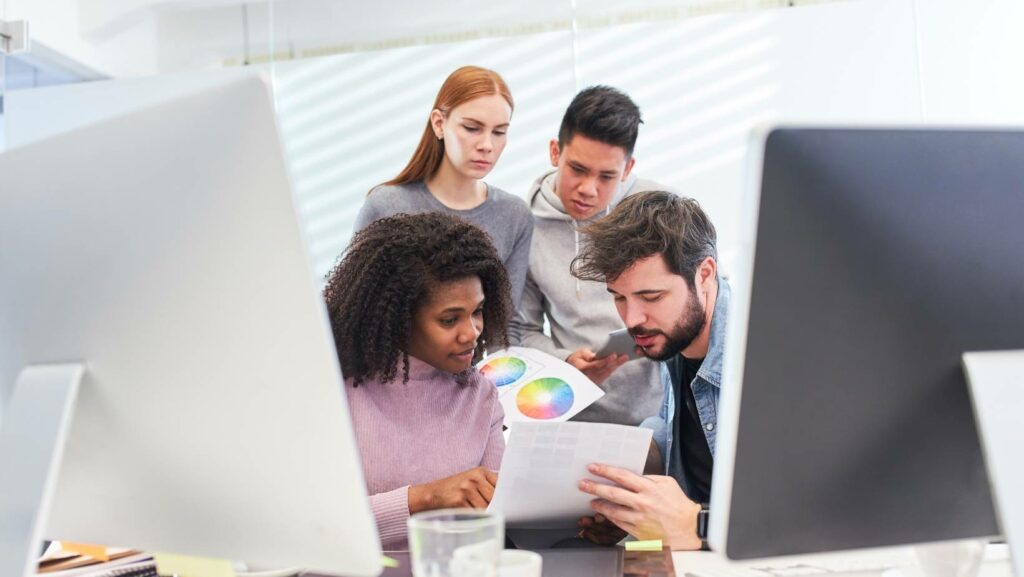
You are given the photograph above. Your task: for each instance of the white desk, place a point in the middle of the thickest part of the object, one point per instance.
(996, 562)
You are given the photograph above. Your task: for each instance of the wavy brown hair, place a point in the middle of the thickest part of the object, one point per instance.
(642, 225)
(461, 86)
(387, 273)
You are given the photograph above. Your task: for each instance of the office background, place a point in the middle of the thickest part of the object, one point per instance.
(354, 82)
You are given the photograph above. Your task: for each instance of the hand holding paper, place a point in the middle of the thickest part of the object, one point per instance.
(544, 462)
(647, 507)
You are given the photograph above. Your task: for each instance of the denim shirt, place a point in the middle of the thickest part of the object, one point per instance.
(706, 388)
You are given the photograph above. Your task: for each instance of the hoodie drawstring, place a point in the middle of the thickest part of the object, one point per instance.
(576, 231)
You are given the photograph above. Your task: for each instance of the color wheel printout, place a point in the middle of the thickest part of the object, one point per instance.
(535, 386)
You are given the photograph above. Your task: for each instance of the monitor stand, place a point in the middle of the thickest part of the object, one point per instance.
(32, 438)
(995, 380)
(947, 559)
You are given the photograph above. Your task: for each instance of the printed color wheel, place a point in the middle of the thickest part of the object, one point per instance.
(545, 398)
(504, 371)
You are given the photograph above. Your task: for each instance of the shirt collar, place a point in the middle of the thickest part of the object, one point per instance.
(711, 369)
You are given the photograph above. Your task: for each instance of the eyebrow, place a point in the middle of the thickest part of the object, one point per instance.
(460, 309)
(642, 292)
(471, 119)
(585, 168)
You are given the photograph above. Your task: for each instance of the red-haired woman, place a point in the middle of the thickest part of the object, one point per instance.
(463, 140)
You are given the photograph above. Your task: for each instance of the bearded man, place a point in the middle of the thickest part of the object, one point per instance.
(656, 254)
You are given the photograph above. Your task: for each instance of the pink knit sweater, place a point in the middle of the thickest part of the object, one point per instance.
(419, 432)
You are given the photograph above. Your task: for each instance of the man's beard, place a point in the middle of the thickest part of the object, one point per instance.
(690, 324)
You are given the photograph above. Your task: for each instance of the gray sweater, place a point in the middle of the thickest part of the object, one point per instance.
(503, 216)
(580, 313)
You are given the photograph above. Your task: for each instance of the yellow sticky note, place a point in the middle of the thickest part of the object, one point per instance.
(183, 566)
(386, 561)
(97, 552)
(652, 545)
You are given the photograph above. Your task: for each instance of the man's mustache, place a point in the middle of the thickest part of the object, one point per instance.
(642, 332)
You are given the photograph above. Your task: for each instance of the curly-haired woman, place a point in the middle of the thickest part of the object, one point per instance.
(412, 304)
(464, 137)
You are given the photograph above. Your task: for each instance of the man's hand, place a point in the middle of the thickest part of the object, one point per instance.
(648, 507)
(596, 368)
(598, 529)
(473, 488)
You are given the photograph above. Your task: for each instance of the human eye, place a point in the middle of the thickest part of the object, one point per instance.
(471, 127)
(448, 321)
(651, 298)
(478, 312)
(501, 132)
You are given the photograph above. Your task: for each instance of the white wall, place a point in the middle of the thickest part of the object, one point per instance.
(972, 54)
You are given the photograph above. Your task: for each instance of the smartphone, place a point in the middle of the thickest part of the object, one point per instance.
(619, 342)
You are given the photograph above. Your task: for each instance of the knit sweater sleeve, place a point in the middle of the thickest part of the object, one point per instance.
(391, 511)
(495, 448)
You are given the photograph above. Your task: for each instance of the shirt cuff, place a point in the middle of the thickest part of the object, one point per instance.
(391, 511)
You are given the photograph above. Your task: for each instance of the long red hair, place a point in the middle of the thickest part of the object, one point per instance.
(461, 86)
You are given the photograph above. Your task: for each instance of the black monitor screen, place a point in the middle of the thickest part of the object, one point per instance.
(881, 256)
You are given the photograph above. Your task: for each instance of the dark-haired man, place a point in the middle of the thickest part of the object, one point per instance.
(593, 160)
(657, 254)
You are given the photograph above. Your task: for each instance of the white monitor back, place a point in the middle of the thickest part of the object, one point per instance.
(162, 249)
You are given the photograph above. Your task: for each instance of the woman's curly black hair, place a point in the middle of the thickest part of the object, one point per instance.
(386, 273)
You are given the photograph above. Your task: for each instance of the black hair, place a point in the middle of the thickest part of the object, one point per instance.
(388, 271)
(604, 114)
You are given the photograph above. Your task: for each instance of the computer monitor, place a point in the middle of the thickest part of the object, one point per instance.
(876, 258)
(160, 253)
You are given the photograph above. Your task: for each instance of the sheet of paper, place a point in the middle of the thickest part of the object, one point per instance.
(544, 463)
(535, 386)
(185, 566)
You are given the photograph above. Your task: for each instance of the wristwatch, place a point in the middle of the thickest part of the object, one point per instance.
(702, 525)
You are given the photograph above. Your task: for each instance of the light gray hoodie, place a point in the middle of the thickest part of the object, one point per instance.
(580, 313)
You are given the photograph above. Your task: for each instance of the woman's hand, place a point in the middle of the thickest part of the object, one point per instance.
(473, 488)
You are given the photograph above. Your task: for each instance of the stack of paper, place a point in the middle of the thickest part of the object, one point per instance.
(72, 560)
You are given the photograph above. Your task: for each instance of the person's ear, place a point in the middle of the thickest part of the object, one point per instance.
(705, 275)
(554, 151)
(629, 167)
(437, 121)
